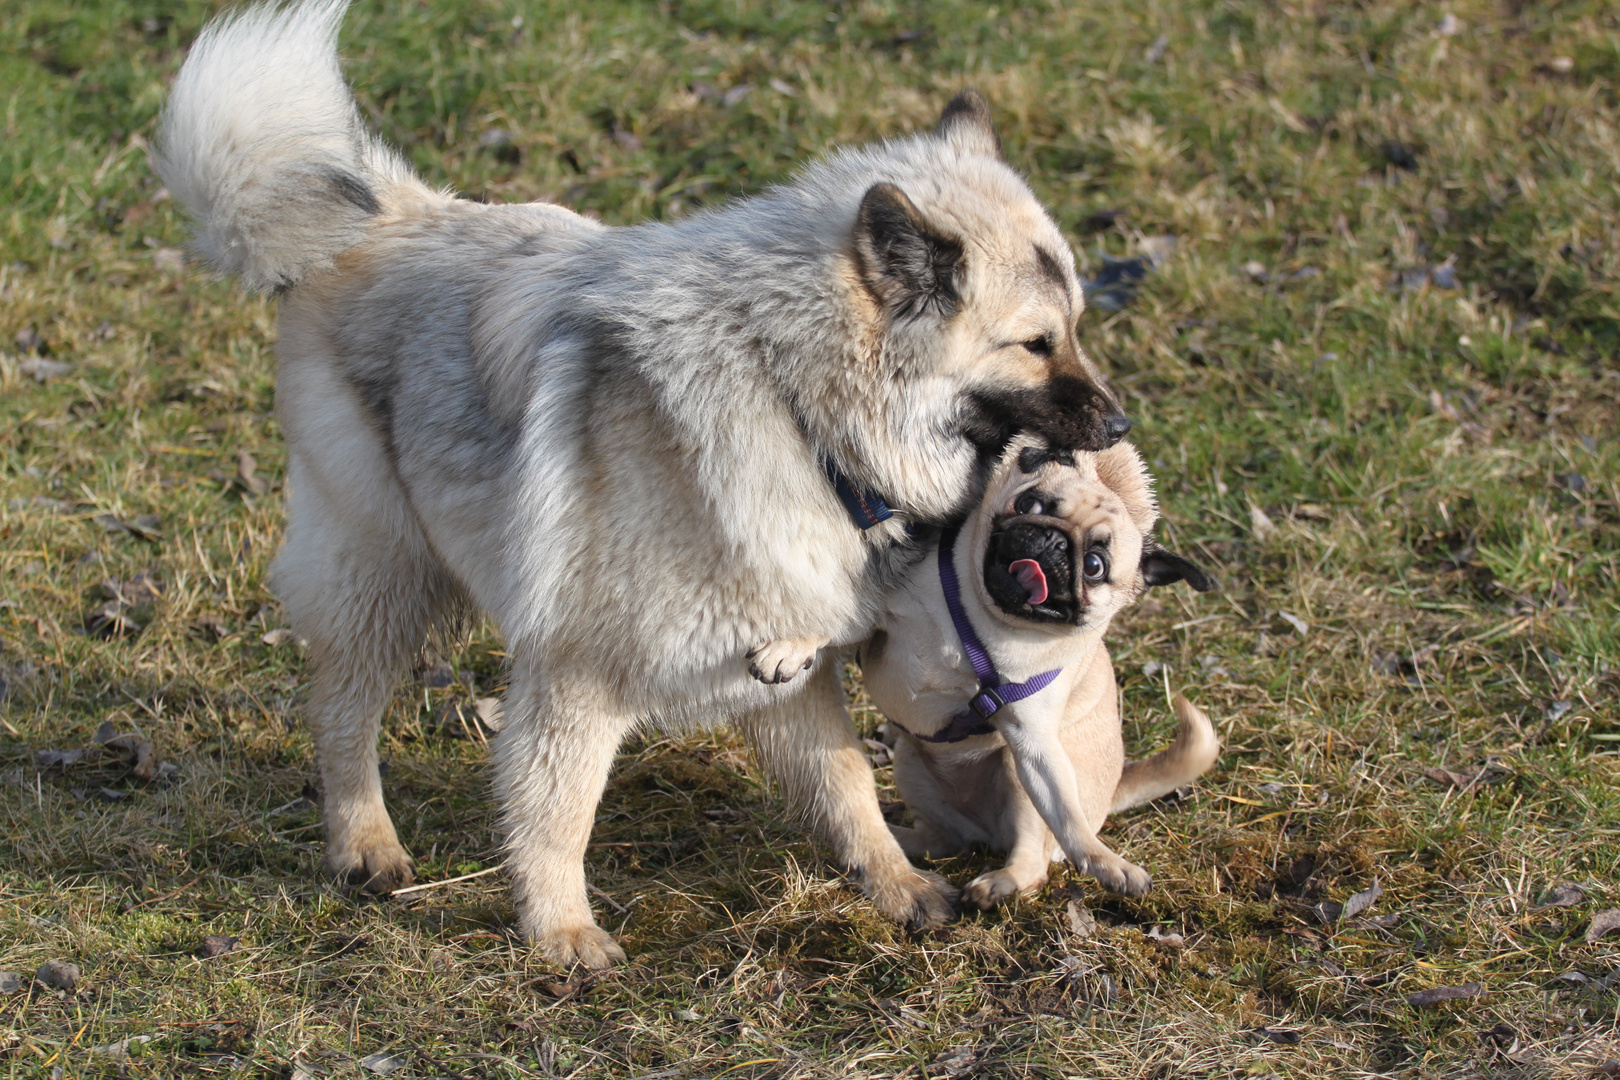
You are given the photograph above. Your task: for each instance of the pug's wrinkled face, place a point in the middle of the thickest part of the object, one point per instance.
(1069, 537)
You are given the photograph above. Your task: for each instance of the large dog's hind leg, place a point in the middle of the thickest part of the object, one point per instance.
(552, 758)
(808, 745)
(364, 590)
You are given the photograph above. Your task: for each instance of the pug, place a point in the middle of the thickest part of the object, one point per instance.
(989, 661)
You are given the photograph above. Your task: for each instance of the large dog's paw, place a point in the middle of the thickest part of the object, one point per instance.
(1116, 875)
(586, 944)
(987, 890)
(378, 868)
(780, 660)
(913, 897)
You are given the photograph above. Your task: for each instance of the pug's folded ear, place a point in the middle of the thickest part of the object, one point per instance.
(1161, 567)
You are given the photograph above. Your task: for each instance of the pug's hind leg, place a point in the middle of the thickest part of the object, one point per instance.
(926, 842)
(1028, 861)
(782, 659)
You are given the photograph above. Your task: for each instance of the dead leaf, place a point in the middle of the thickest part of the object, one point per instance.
(1561, 895)
(119, 1051)
(564, 988)
(489, 712)
(304, 1069)
(169, 260)
(1082, 923)
(1260, 524)
(1301, 627)
(383, 1064)
(955, 1062)
(40, 369)
(1158, 936)
(439, 675)
(877, 753)
(29, 340)
(1438, 994)
(218, 945)
(1602, 923)
(1328, 911)
(1361, 901)
(246, 474)
(281, 635)
(58, 974)
(109, 621)
(52, 759)
(142, 526)
(1280, 1036)
(212, 626)
(1449, 778)
(140, 589)
(11, 982)
(143, 757)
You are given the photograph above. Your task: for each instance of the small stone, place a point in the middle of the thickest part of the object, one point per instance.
(1562, 64)
(11, 982)
(58, 974)
(218, 944)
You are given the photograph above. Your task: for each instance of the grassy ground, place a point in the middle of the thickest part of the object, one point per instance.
(1410, 491)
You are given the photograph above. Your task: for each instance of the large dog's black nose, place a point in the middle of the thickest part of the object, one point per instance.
(1116, 426)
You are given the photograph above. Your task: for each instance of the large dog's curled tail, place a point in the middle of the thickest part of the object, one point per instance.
(1189, 756)
(263, 144)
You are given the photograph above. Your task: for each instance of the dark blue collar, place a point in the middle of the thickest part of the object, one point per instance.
(866, 508)
(992, 693)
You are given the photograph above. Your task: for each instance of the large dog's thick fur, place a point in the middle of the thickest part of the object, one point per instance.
(613, 440)
(1040, 785)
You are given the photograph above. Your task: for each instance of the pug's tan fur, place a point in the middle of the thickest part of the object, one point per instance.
(1040, 786)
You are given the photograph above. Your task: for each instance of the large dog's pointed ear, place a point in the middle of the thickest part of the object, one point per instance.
(1161, 567)
(909, 267)
(966, 120)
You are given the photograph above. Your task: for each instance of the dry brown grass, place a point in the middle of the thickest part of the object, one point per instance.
(1437, 467)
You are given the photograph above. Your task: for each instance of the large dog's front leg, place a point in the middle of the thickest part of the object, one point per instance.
(551, 760)
(808, 745)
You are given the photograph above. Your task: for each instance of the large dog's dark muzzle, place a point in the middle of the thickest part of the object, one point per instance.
(1068, 412)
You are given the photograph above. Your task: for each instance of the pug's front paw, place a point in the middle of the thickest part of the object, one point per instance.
(780, 660)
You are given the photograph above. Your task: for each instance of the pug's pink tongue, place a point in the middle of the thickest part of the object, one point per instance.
(1029, 575)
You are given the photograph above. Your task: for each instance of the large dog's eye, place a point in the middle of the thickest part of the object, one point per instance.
(1040, 346)
(1030, 502)
(1095, 566)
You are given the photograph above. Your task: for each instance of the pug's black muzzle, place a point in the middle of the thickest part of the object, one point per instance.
(1049, 547)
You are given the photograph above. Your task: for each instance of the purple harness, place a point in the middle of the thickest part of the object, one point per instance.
(992, 693)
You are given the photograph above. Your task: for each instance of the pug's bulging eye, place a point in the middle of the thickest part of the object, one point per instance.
(1095, 566)
(1030, 502)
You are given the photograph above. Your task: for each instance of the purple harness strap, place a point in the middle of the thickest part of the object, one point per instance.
(992, 693)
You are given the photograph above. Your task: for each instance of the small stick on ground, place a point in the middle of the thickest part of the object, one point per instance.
(446, 881)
